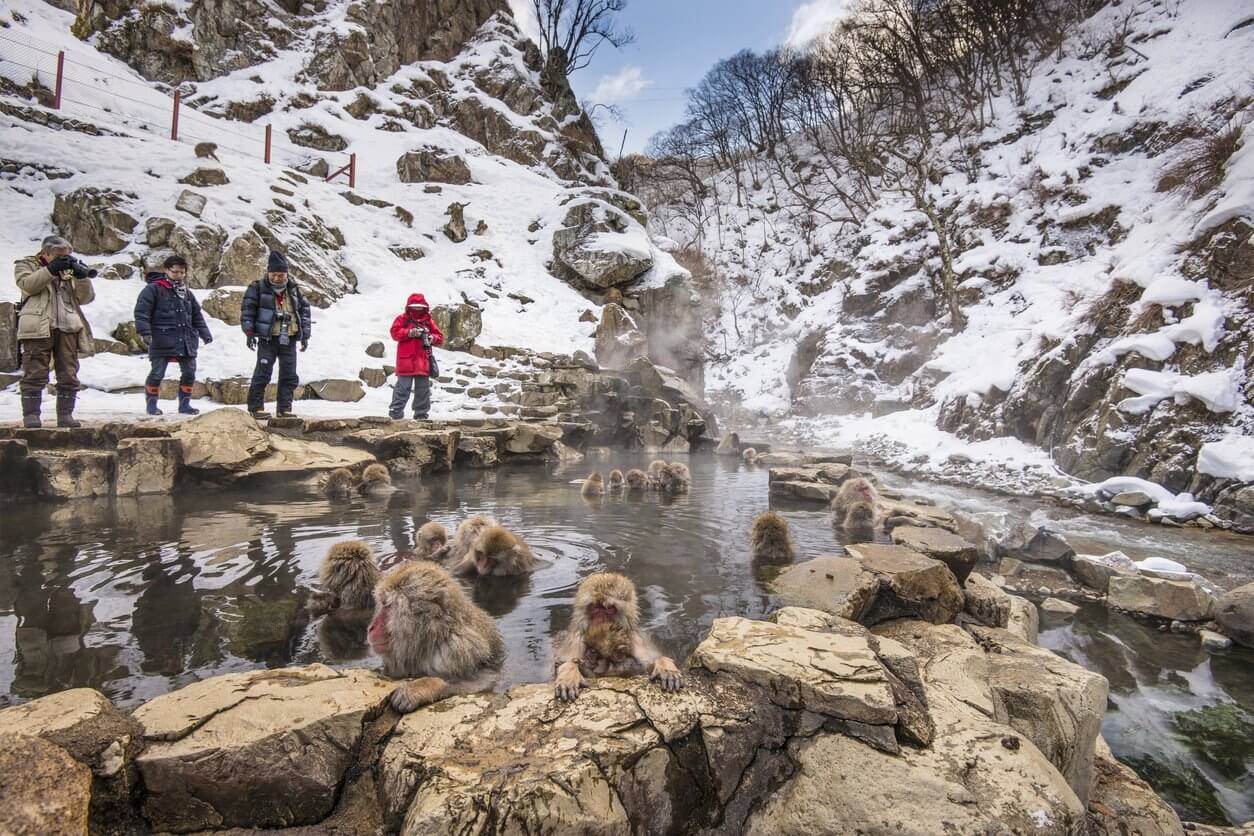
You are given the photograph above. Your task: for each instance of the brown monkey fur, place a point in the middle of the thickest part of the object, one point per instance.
(608, 651)
(594, 485)
(616, 480)
(349, 572)
(860, 522)
(339, 484)
(750, 455)
(682, 471)
(655, 467)
(466, 535)
(671, 479)
(637, 480)
(607, 598)
(431, 542)
(342, 634)
(853, 491)
(206, 150)
(424, 626)
(496, 551)
(375, 480)
(771, 540)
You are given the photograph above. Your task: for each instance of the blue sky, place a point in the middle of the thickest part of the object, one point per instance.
(677, 41)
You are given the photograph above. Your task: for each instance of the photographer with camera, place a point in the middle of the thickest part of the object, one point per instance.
(51, 327)
(274, 317)
(415, 333)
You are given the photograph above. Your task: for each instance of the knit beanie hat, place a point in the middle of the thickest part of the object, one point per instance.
(276, 263)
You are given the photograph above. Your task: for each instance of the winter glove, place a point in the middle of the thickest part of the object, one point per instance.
(60, 264)
(414, 333)
(208, 340)
(251, 342)
(147, 338)
(304, 344)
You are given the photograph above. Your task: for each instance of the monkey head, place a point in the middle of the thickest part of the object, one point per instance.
(863, 490)
(606, 598)
(655, 467)
(410, 604)
(860, 513)
(497, 551)
(607, 645)
(637, 480)
(375, 474)
(431, 537)
(616, 478)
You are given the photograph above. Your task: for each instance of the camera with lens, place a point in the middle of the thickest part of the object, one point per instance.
(81, 270)
(284, 320)
(426, 338)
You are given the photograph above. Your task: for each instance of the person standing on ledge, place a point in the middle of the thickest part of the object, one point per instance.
(51, 326)
(169, 319)
(274, 317)
(415, 333)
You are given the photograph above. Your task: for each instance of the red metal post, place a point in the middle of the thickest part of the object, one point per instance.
(352, 170)
(267, 144)
(56, 98)
(174, 120)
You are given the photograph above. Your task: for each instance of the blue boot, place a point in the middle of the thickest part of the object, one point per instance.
(185, 401)
(150, 395)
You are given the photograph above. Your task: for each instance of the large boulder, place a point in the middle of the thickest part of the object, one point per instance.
(945, 546)
(599, 246)
(298, 457)
(44, 791)
(1025, 619)
(8, 337)
(337, 389)
(94, 220)
(1095, 571)
(618, 339)
(147, 465)
(986, 602)
(1034, 545)
(1178, 600)
(530, 438)
(82, 722)
(1235, 613)
(225, 304)
(222, 440)
(243, 262)
(461, 324)
(266, 748)
(432, 165)
(1121, 804)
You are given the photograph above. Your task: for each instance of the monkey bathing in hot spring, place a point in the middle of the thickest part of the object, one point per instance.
(348, 575)
(603, 600)
(429, 632)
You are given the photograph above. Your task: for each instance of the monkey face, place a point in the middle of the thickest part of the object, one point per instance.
(607, 598)
(379, 633)
(602, 613)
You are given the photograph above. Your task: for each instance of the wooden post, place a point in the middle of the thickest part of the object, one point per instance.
(352, 170)
(56, 98)
(174, 119)
(268, 130)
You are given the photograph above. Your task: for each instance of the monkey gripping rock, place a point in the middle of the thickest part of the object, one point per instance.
(266, 748)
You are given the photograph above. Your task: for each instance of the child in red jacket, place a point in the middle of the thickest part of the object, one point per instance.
(415, 333)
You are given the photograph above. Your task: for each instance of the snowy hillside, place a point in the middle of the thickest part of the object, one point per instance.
(1107, 306)
(484, 132)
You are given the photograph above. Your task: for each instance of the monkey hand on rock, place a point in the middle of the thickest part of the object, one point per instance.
(416, 693)
(666, 674)
(570, 681)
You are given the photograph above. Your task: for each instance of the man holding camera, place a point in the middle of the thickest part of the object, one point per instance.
(415, 333)
(51, 326)
(275, 317)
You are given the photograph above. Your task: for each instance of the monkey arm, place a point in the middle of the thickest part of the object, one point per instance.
(425, 690)
(662, 669)
(568, 654)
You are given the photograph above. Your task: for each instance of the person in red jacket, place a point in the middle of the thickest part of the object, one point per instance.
(415, 333)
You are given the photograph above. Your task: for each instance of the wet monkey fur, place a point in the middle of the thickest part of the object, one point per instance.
(771, 540)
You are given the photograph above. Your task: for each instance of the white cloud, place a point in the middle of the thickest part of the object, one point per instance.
(814, 19)
(625, 84)
(524, 12)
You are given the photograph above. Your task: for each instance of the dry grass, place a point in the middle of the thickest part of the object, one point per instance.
(1200, 165)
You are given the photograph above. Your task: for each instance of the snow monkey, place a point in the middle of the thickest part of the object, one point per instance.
(616, 481)
(637, 481)
(771, 540)
(655, 468)
(854, 504)
(672, 479)
(750, 455)
(376, 481)
(594, 485)
(429, 632)
(348, 575)
(608, 651)
(207, 150)
(431, 542)
(607, 598)
(496, 551)
(339, 484)
(467, 533)
(342, 634)
(682, 470)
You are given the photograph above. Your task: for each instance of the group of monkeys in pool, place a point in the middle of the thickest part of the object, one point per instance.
(430, 634)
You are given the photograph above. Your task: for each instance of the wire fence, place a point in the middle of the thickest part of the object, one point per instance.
(80, 89)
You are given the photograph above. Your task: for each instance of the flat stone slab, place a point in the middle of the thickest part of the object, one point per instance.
(265, 748)
(81, 721)
(939, 544)
(837, 674)
(1175, 599)
(298, 456)
(837, 585)
(224, 439)
(74, 474)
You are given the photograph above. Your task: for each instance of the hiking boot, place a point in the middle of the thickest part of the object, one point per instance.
(259, 414)
(150, 401)
(65, 410)
(286, 413)
(30, 410)
(185, 401)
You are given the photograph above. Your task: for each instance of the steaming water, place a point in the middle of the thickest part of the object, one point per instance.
(138, 597)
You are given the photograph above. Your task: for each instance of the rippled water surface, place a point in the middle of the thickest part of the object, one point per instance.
(138, 597)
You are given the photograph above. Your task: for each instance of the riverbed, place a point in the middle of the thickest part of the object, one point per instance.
(137, 597)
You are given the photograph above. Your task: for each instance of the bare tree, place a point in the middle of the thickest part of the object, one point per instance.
(571, 31)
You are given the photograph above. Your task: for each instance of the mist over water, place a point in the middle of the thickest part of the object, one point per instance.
(139, 597)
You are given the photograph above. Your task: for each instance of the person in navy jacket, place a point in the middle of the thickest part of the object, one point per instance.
(169, 319)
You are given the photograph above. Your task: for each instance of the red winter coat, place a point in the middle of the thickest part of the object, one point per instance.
(411, 354)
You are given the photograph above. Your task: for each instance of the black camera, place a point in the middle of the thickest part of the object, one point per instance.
(81, 270)
(284, 319)
(426, 338)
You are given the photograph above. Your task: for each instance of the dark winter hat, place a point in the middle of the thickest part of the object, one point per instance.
(277, 263)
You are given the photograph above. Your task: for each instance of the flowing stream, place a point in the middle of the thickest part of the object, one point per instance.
(138, 597)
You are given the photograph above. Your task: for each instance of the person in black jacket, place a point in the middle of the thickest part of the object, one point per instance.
(169, 319)
(274, 317)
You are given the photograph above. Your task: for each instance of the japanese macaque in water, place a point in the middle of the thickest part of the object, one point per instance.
(594, 485)
(607, 599)
(431, 542)
(608, 651)
(429, 632)
(672, 479)
(682, 471)
(348, 575)
(616, 481)
(496, 551)
(637, 481)
(750, 455)
(466, 534)
(339, 484)
(855, 504)
(771, 540)
(655, 468)
(376, 481)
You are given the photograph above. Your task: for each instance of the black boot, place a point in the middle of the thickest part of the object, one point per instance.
(30, 409)
(259, 414)
(65, 410)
